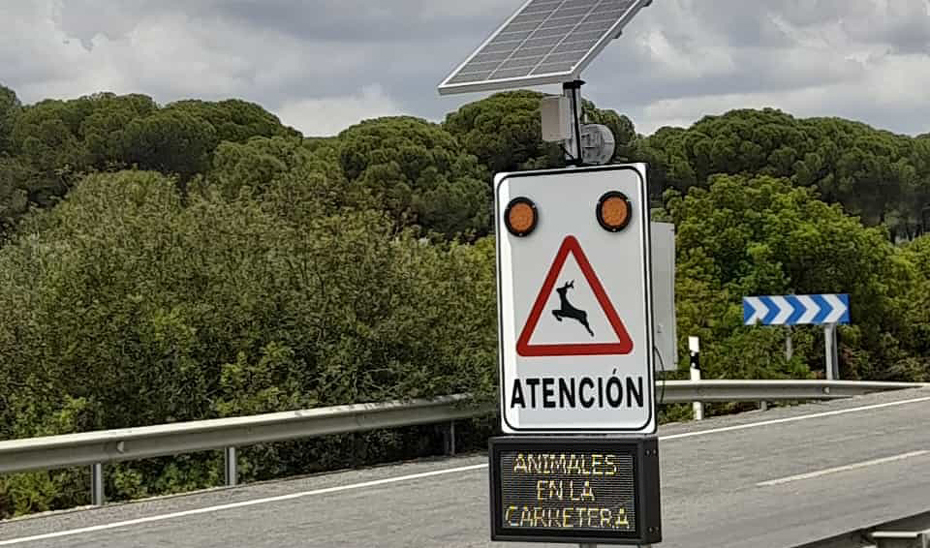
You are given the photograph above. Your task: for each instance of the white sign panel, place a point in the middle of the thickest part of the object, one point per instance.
(663, 296)
(575, 301)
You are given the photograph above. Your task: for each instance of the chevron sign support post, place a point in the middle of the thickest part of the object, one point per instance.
(827, 310)
(796, 310)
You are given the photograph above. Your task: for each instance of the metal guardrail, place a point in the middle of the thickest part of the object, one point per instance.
(774, 390)
(909, 532)
(96, 448)
(187, 437)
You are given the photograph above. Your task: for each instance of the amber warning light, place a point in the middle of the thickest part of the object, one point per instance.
(521, 216)
(614, 211)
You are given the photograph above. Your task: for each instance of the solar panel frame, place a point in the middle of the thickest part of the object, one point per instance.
(494, 54)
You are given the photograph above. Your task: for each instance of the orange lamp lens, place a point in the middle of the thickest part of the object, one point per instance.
(521, 217)
(614, 211)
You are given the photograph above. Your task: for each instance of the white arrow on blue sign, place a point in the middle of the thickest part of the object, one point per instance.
(796, 309)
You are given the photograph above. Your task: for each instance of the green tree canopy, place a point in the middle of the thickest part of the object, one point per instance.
(504, 131)
(9, 110)
(172, 309)
(54, 143)
(762, 236)
(104, 130)
(622, 127)
(170, 142)
(234, 120)
(872, 173)
(256, 163)
(202, 260)
(419, 173)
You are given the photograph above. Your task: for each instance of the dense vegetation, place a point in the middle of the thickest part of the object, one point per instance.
(881, 177)
(198, 259)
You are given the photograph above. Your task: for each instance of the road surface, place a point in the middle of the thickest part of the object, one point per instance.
(779, 478)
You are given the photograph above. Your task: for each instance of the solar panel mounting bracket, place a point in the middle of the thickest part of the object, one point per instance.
(574, 154)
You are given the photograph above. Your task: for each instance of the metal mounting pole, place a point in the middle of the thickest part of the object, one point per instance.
(97, 495)
(832, 353)
(572, 90)
(789, 346)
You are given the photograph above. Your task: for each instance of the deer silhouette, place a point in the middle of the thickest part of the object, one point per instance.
(569, 311)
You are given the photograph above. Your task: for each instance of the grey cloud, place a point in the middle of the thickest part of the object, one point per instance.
(739, 22)
(821, 49)
(336, 20)
(902, 25)
(907, 33)
(281, 52)
(358, 21)
(405, 45)
(84, 20)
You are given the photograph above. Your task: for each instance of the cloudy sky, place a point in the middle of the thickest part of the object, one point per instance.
(322, 65)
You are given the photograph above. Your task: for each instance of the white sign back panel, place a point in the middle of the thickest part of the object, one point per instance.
(575, 305)
(663, 296)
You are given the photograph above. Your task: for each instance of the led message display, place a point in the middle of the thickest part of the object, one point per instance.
(575, 490)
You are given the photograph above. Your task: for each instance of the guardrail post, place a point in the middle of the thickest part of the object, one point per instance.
(97, 494)
(449, 436)
(694, 345)
(230, 466)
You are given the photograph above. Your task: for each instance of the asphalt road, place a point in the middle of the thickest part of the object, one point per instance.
(773, 479)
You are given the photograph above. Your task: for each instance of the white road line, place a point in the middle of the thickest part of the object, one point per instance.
(838, 469)
(793, 419)
(410, 477)
(243, 504)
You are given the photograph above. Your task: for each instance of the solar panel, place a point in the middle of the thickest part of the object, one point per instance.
(544, 42)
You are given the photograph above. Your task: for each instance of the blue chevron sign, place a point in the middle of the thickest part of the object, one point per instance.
(796, 309)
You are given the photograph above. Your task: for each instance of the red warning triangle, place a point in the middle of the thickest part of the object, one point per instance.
(624, 344)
